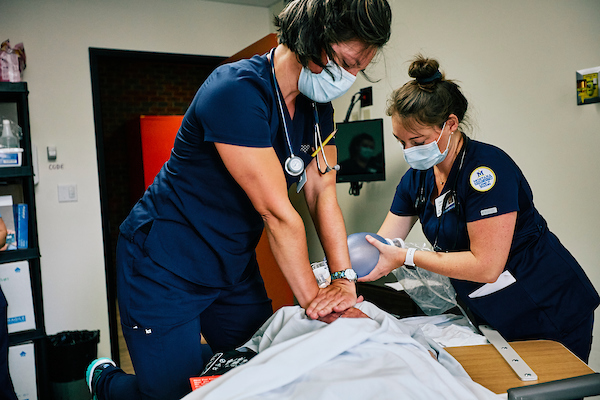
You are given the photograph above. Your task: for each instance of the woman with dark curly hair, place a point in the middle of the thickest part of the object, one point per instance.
(186, 261)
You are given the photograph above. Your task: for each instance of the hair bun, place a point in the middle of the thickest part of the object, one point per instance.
(424, 70)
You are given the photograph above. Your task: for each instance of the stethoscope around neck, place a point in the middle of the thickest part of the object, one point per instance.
(294, 165)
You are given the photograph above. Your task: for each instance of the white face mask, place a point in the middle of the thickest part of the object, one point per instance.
(426, 156)
(322, 87)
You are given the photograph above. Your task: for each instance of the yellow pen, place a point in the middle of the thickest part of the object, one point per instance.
(332, 134)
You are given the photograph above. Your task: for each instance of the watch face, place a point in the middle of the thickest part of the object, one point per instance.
(351, 274)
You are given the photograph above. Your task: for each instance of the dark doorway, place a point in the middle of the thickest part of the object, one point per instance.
(125, 85)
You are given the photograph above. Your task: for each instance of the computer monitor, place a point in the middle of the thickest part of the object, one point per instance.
(360, 151)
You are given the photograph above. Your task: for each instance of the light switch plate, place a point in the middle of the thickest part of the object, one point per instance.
(67, 193)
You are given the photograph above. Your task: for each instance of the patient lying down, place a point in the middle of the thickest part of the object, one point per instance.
(354, 312)
(363, 353)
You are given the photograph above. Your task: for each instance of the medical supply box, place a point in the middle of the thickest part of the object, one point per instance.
(11, 157)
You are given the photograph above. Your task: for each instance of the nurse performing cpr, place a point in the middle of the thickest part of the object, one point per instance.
(476, 209)
(186, 262)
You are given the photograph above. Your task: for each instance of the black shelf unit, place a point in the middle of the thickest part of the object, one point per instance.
(17, 94)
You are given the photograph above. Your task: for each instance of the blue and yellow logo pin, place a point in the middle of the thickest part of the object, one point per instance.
(482, 179)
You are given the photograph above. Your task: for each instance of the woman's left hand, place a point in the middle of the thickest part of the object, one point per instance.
(337, 297)
(390, 258)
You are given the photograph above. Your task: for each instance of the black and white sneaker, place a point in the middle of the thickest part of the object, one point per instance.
(93, 372)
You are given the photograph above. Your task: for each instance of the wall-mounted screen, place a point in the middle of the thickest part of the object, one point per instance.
(360, 151)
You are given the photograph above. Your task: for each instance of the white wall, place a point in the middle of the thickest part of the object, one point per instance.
(516, 62)
(57, 35)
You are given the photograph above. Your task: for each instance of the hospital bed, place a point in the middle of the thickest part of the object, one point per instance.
(385, 358)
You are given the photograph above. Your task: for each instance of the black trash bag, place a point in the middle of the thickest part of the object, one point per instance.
(69, 354)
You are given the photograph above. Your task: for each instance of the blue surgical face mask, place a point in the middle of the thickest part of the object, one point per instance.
(322, 87)
(366, 152)
(426, 156)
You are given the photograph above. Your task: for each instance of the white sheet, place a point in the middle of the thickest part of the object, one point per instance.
(447, 330)
(378, 358)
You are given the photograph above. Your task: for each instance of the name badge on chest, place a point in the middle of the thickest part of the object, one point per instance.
(443, 205)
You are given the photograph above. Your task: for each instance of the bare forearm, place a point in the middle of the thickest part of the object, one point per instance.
(490, 243)
(458, 265)
(464, 265)
(485, 260)
(329, 223)
(396, 226)
(331, 229)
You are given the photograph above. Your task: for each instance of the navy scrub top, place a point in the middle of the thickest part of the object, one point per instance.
(203, 226)
(552, 294)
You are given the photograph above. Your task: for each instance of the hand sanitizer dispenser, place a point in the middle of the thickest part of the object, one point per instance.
(8, 139)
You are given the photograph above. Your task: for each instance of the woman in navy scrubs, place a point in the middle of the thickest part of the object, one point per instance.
(476, 209)
(186, 257)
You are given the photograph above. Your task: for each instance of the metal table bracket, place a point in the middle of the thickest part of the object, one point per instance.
(523, 371)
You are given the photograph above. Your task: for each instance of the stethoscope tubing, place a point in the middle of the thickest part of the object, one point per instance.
(294, 165)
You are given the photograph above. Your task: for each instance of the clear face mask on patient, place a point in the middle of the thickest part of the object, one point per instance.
(323, 87)
(426, 156)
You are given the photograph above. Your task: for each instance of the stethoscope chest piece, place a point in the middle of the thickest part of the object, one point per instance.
(294, 165)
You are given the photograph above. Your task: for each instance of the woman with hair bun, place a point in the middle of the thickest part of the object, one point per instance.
(476, 209)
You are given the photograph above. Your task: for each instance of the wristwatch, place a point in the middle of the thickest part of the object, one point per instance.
(349, 274)
(410, 255)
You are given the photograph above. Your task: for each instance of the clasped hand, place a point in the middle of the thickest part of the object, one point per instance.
(335, 298)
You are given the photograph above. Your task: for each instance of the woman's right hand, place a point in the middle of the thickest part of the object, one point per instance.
(339, 296)
(390, 258)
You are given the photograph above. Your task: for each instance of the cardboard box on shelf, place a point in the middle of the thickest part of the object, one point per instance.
(16, 285)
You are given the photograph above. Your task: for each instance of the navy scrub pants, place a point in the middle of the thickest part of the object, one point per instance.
(163, 315)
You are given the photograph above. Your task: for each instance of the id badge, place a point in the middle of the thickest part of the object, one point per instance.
(439, 203)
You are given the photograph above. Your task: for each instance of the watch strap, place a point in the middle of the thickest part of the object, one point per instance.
(338, 275)
(410, 256)
(342, 274)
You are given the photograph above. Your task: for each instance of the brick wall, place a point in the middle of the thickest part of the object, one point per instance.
(133, 84)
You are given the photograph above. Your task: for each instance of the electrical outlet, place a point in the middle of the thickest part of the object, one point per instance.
(366, 96)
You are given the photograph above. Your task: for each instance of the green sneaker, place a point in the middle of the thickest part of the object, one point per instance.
(93, 372)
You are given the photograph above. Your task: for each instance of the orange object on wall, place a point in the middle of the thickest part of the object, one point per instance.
(277, 287)
(158, 135)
